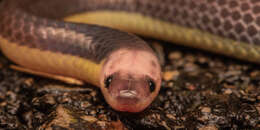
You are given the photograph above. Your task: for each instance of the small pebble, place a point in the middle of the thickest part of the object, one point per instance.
(175, 56)
(169, 93)
(190, 58)
(209, 127)
(206, 109)
(169, 75)
(190, 87)
(255, 73)
(228, 91)
(258, 108)
(50, 100)
(170, 84)
(102, 117)
(118, 125)
(165, 125)
(171, 116)
(93, 93)
(190, 67)
(85, 104)
(202, 60)
(166, 105)
(258, 97)
(101, 123)
(29, 81)
(93, 112)
(90, 119)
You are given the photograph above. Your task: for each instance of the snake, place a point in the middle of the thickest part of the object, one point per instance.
(96, 40)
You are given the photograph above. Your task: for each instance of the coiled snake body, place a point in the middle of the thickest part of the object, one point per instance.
(34, 35)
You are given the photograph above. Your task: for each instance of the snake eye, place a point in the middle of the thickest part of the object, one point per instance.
(108, 81)
(151, 85)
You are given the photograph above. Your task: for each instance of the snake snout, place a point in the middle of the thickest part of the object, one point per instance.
(130, 79)
(127, 92)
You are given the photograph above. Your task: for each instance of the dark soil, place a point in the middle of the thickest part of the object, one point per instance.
(200, 90)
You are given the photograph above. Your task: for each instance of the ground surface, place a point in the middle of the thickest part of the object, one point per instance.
(200, 90)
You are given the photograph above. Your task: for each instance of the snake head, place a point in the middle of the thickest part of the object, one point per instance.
(131, 79)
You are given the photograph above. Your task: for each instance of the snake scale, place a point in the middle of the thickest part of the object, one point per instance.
(60, 38)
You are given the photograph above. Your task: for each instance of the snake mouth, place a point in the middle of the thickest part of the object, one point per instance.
(126, 92)
(127, 99)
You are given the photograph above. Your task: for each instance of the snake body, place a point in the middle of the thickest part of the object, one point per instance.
(34, 35)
